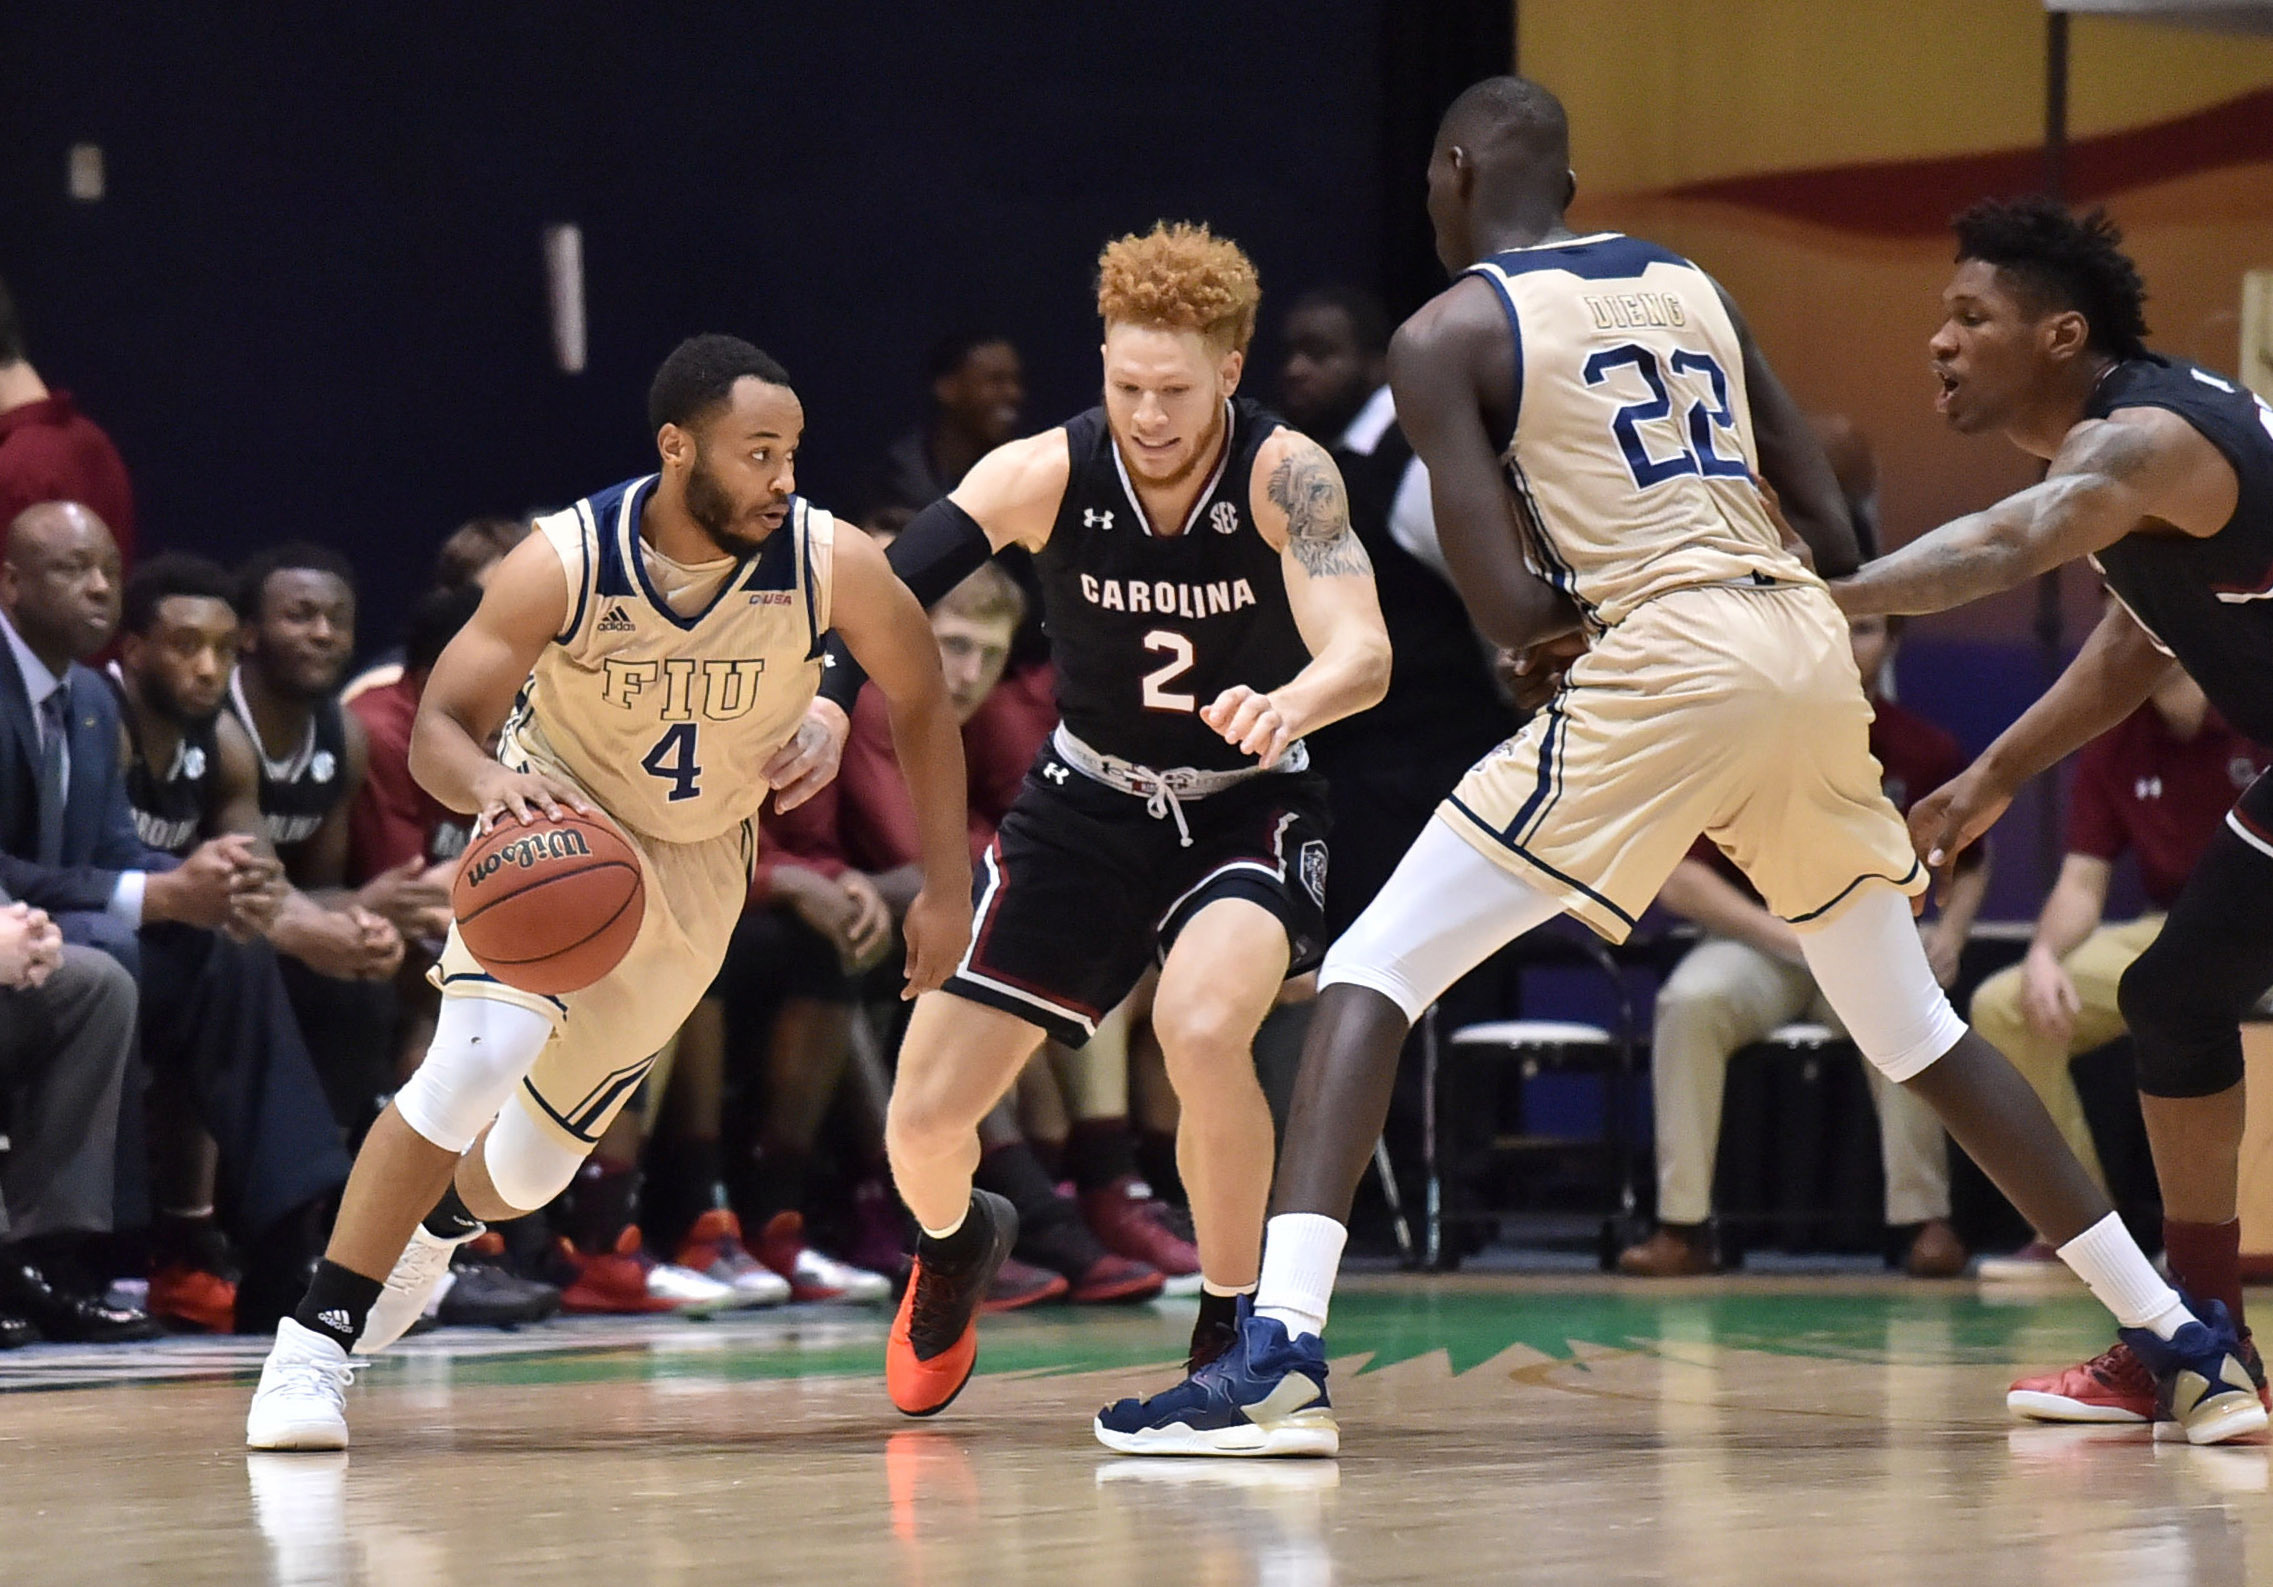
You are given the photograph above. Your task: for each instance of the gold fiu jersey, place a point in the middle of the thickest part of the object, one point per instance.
(667, 718)
(1632, 454)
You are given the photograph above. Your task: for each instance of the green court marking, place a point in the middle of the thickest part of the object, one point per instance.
(1393, 1325)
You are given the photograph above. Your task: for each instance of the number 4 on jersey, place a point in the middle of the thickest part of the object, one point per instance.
(673, 759)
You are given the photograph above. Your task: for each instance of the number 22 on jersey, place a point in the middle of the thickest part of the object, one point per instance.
(1694, 452)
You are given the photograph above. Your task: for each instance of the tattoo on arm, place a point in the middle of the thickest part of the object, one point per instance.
(1308, 489)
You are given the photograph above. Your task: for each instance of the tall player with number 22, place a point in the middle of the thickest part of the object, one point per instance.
(1207, 605)
(652, 651)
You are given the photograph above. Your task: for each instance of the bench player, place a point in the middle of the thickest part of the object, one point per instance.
(2161, 472)
(1591, 412)
(1207, 605)
(664, 639)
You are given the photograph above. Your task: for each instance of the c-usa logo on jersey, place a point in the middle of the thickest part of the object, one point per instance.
(1224, 516)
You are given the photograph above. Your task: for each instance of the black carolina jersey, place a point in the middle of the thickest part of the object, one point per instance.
(169, 811)
(1146, 628)
(296, 793)
(2208, 599)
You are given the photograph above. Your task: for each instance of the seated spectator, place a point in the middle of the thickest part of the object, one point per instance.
(394, 825)
(978, 398)
(465, 562)
(66, 1034)
(1748, 976)
(2157, 785)
(49, 450)
(216, 1029)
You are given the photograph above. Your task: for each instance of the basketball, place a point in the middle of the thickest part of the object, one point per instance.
(552, 907)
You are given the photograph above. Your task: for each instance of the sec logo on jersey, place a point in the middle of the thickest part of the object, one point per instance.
(1224, 516)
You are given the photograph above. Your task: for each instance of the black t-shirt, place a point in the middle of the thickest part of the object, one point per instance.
(1146, 628)
(298, 792)
(170, 810)
(2208, 599)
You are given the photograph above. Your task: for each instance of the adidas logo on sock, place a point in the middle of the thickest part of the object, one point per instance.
(615, 621)
(336, 1319)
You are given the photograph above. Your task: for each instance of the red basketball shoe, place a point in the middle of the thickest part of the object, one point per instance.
(2113, 1386)
(934, 1342)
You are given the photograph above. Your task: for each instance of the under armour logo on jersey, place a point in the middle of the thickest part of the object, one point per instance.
(2147, 788)
(1224, 517)
(193, 761)
(616, 621)
(322, 765)
(2242, 770)
(1055, 773)
(1096, 518)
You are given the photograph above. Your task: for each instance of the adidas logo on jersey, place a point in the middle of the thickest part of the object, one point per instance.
(336, 1319)
(615, 620)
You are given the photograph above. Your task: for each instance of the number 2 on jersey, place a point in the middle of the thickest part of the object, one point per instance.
(673, 759)
(1697, 454)
(1178, 649)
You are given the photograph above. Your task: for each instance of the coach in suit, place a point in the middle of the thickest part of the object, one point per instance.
(66, 1035)
(217, 1031)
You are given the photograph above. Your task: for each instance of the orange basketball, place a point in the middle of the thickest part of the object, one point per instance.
(550, 907)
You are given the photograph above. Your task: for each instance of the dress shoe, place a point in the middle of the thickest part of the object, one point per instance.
(66, 1318)
(1936, 1252)
(1675, 1251)
(15, 1333)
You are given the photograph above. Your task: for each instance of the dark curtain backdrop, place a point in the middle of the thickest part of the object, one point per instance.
(313, 302)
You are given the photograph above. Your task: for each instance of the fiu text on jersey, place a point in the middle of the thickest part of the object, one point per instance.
(669, 717)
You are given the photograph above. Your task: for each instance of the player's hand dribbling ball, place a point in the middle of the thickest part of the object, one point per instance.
(550, 906)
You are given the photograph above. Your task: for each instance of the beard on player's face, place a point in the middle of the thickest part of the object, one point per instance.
(735, 530)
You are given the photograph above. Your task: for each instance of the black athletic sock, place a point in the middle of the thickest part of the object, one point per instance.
(777, 1181)
(1214, 1331)
(338, 1303)
(1099, 1153)
(450, 1219)
(1156, 1162)
(962, 1248)
(1015, 1174)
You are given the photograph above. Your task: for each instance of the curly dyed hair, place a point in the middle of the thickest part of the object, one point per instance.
(2062, 261)
(1180, 277)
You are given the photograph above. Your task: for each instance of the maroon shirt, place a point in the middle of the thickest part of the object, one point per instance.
(1914, 758)
(2141, 787)
(393, 819)
(50, 451)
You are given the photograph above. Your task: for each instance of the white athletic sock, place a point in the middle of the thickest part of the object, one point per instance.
(1225, 1291)
(1302, 1251)
(2110, 1262)
(941, 1234)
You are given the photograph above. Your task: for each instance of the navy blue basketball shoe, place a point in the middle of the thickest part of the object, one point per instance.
(2202, 1386)
(1266, 1395)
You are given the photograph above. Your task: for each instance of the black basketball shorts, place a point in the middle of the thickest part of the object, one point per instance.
(1082, 888)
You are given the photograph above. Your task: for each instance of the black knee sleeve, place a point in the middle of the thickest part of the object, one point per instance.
(2188, 1044)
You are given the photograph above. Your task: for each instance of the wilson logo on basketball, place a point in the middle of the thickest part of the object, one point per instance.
(532, 850)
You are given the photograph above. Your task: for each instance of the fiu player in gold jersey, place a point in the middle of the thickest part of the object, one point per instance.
(1592, 411)
(652, 652)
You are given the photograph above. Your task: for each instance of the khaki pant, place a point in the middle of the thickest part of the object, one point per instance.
(2096, 965)
(1726, 995)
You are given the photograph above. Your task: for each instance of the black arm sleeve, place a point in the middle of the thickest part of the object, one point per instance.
(941, 547)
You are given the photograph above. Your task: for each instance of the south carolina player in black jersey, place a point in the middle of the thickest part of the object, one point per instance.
(2161, 472)
(1207, 605)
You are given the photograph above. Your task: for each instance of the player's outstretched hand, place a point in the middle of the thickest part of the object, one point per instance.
(526, 796)
(807, 764)
(1251, 721)
(1950, 819)
(938, 930)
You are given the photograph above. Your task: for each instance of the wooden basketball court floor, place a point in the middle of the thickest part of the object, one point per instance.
(1496, 1429)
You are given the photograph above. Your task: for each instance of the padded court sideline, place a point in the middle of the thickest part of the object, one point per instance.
(1754, 1430)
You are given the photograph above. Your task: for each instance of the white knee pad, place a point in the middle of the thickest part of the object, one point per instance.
(527, 1165)
(1872, 968)
(481, 1049)
(1444, 911)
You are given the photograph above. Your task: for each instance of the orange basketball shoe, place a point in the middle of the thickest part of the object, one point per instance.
(183, 1296)
(935, 1338)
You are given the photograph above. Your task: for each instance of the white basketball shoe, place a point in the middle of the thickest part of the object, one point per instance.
(302, 1399)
